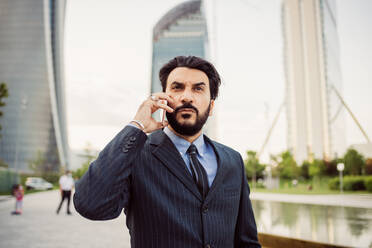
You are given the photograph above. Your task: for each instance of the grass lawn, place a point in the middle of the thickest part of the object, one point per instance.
(319, 186)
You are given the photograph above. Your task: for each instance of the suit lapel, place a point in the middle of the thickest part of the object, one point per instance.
(223, 163)
(168, 154)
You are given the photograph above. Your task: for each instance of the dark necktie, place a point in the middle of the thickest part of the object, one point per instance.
(198, 172)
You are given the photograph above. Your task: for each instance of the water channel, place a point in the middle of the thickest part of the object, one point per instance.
(329, 224)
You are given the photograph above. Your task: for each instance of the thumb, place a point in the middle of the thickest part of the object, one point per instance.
(160, 124)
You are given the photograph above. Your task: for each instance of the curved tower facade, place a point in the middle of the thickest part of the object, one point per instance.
(31, 64)
(316, 125)
(181, 31)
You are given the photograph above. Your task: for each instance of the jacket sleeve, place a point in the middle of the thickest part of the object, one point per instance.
(246, 230)
(104, 190)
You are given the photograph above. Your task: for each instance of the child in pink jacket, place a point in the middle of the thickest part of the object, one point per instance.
(18, 193)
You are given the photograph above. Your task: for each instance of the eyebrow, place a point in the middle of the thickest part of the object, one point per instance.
(175, 82)
(200, 84)
(196, 84)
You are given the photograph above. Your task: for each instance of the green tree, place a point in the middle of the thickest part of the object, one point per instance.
(253, 168)
(3, 94)
(316, 168)
(287, 166)
(368, 169)
(354, 162)
(331, 167)
(304, 170)
(89, 158)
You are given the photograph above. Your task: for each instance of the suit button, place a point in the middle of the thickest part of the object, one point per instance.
(208, 246)
(128, 146)
(125, 149)
(205, 210)
(132, 138)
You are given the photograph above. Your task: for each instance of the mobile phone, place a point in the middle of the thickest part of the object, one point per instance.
(162, 111)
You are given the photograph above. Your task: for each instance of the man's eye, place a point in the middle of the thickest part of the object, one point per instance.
(198, 88)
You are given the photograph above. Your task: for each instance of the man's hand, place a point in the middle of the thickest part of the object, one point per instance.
(148, 107)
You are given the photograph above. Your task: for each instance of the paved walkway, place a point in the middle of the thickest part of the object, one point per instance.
(5, 197)
(40, 227)
(345, 200)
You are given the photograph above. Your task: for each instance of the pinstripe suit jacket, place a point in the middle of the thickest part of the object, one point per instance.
(147, 177)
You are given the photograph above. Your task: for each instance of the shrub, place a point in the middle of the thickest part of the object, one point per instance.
(334, 183)
(7, 179)
(368, 183)
(52, 177)
(253, 167)
(3, 164)
(304, 170)
(353, 183)
(260, 184)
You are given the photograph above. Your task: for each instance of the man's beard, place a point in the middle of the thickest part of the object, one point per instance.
(188, 129)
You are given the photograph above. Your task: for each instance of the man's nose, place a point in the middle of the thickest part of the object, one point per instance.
(186, 96)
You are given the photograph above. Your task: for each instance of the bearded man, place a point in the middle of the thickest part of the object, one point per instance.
(178, 188)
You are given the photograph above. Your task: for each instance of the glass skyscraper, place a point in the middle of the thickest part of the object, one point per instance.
(315, 114)
(31, 64)
(181, 31)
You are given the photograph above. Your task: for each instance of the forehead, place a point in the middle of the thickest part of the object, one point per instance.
(187, 75)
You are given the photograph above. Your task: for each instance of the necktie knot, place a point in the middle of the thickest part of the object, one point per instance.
(192, 150)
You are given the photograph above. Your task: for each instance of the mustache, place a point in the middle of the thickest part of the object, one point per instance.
(184, 106)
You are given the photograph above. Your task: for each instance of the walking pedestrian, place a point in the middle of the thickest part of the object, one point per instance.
(66, 184)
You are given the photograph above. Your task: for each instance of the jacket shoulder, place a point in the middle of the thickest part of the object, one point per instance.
(225, 148)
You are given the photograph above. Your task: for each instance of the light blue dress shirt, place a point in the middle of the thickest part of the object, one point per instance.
(206, 154)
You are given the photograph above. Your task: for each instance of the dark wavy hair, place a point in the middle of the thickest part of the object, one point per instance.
(194, 63)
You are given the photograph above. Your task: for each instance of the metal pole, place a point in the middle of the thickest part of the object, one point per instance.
(351, 114)
(270, 130)
(341, 186)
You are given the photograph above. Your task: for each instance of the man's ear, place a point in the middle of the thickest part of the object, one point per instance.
(211, 108)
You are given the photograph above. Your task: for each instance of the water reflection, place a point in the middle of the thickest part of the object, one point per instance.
(356, 221)
(330, 224)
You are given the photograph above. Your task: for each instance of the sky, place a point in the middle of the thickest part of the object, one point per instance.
(108, 67)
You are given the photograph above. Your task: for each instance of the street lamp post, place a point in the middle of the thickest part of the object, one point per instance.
(340, 168)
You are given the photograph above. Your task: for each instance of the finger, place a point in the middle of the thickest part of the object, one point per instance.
(161, 96)
(161, 105)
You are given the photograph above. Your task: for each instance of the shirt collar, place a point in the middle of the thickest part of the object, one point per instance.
(182, 145)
